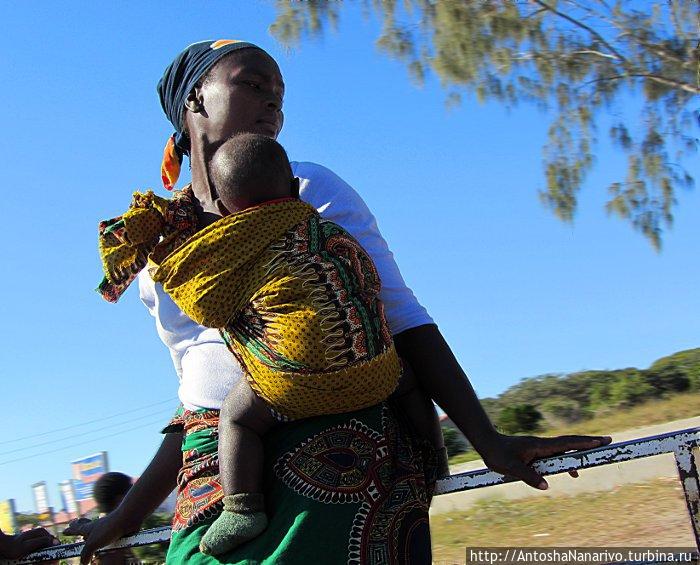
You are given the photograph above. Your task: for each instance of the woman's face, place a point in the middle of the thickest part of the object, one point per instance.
(242, 94)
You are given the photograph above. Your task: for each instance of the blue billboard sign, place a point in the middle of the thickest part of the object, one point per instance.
(86, 471)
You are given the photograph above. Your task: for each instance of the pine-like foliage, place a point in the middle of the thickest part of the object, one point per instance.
(579, 58)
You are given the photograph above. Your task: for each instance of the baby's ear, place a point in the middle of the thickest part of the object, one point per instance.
(295, 187)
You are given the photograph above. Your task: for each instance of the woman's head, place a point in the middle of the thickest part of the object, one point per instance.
(241, 93)
(214, 90)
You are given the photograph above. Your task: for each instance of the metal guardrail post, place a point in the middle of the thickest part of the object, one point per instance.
(614, 453)
(686, 464)
(144, 537)
(680, 443)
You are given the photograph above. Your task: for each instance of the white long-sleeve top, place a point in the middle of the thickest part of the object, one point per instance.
(205, 367)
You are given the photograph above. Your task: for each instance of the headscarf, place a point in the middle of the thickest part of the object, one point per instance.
(177, 82)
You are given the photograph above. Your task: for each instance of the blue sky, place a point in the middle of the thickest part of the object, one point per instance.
(516, 292)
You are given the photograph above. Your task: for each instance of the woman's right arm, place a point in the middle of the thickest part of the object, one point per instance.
(154, 485)
(148, 492)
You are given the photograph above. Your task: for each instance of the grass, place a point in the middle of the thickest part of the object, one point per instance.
(679, 406)
(465, 457)
(643, 515)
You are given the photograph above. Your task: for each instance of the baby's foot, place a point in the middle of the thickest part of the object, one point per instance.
(242, 519)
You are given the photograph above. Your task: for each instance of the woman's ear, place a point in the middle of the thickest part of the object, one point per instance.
(194, 102)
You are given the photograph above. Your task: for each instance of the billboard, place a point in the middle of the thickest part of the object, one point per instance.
(86, 471)
(68, 496)
(8, 520)
(41, 497)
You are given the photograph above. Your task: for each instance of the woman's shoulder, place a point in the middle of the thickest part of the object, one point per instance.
(314, 172)
(321, 187)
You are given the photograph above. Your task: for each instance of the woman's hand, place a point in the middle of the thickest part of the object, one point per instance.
(14, 547)
(151, 488)
(100, 533)
(512, 455)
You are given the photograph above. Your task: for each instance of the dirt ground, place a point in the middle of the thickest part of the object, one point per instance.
(651, 514)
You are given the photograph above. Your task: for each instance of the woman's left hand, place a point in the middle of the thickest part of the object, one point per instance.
(513, 455)
(101, 532)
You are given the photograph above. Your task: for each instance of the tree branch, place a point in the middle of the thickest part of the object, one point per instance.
(577, 23)
(656, 78)
(593, 52)
(668, 82)
(533, 14)
(658, 50)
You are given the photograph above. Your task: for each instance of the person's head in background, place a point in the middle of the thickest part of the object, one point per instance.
(109, 490)
(249, 169)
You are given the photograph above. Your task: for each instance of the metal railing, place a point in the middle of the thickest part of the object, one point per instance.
(680, 443)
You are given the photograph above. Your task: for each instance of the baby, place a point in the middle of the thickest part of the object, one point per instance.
(296, 299)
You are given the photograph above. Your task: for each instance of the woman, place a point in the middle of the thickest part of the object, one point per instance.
(343, 489)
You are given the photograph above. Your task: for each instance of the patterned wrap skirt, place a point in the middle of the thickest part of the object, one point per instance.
(350, 489)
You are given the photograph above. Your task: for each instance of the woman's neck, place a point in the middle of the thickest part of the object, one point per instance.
(208, 210)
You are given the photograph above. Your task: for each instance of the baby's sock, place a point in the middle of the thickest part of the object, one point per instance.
(242, 519)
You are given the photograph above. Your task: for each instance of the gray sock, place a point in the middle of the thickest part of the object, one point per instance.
(242, 519)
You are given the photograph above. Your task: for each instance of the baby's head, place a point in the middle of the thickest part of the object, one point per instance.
(249, 169)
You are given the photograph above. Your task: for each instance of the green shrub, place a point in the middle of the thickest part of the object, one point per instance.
(519, 418)
(454, 443)
(562, 410)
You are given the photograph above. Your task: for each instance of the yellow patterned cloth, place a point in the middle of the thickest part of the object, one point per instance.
(151, 227)
(296, 299)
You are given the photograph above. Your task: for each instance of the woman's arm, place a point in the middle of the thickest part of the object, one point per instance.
(148, 492)
(155, 484)
(419, 341)
(442, 378)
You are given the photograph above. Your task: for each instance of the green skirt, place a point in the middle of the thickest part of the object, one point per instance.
(344, 489)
